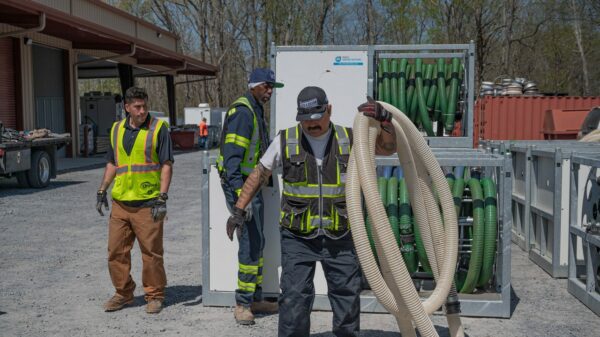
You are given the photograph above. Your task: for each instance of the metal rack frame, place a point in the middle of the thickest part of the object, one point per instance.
(582, 279)
(466, 51)
(495, 304)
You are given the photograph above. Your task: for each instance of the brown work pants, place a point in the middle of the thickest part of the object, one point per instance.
(125, 225)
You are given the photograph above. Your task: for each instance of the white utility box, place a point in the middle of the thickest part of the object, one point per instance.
(193, 115)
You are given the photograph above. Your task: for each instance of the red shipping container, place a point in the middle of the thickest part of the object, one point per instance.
(520, 117)
(563, 123)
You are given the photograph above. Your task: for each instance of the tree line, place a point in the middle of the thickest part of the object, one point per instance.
(554, 43)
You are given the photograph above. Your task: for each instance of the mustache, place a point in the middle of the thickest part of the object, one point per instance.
(316, 127)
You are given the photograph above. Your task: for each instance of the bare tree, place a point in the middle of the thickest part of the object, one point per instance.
(578, 38)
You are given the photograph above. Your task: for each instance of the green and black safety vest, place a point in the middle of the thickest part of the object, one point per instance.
(252, 146)
(314, 198)
(138, 173)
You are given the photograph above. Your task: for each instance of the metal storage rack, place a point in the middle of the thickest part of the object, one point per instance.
(314, 65)
(584, 247)
(219, 274)
(540, 198)
(466, 52)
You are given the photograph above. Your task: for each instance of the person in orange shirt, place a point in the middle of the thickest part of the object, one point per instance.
(203, 133)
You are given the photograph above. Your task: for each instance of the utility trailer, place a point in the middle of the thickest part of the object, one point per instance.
(33, 162)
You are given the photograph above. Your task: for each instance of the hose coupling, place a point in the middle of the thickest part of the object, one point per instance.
(408, 238)
(452, 305)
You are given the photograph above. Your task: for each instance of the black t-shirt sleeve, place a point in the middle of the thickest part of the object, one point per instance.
(164, 146)
(110, 155)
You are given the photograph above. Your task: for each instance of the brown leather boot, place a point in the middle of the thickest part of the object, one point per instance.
(117, 302)
(154, 306)
(264, 307)
(243, 315)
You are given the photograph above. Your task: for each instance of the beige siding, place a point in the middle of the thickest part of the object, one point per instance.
(101, 16)
(150, 35)
(61, 5)
(50, 41)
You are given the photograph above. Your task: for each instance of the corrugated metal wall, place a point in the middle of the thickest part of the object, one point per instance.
(48, 88)
(8, 111)
(520, 117)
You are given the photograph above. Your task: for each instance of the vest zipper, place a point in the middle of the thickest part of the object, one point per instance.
(320, 180)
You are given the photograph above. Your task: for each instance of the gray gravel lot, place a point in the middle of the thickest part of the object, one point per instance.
(54, 277)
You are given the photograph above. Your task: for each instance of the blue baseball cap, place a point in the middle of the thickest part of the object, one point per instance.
(259, 75)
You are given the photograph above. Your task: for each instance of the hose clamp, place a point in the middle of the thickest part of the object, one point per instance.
(452, 305)
(409, 238)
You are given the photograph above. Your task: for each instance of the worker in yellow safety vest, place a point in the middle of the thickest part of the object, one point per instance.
(314, 226)
(139, 161)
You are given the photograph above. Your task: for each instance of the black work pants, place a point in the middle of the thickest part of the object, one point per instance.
(340, 265)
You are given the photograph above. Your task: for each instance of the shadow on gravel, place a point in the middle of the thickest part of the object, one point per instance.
(2, 313)
(514, 300)
(442, 332)
(8, 189)
(188, 295)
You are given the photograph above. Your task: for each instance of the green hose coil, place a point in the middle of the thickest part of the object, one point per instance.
(402, 86)
(453, 98)
(475, 260)
(490, 232)
(410, 233)
(392, 206)
(394, 83)
(422, 105)
(386, 80)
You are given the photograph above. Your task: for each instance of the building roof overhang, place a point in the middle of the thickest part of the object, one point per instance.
(89, 35)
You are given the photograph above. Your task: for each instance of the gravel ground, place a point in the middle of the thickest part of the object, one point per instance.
(54, 277)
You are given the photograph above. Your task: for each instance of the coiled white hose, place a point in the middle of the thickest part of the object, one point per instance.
(392, 284)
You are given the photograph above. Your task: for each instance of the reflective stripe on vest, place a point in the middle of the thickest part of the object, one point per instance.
(307, 205)
(137, 174)
(251, 146)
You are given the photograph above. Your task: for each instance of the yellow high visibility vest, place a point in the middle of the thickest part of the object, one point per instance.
(252, 145)
(138, 174)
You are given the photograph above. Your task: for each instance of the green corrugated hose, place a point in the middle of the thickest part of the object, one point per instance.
(380, 81)
(410, 233)
(453, 98)
(422, 105)
(392, 206)
(490, 232)
(394, 83)
(402, 86)
(477, 243)
(407, 234)
(386, 80)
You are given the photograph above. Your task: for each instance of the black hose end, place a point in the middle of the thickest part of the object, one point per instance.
(452, 305)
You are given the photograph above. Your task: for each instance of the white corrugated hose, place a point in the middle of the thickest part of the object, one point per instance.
(391, 281)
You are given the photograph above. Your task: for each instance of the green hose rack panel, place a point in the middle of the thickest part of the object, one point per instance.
(483, 268)
(432, 84)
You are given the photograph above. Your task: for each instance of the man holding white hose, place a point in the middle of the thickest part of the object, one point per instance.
(314, 222)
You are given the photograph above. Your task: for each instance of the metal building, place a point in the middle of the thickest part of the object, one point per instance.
(47, 45)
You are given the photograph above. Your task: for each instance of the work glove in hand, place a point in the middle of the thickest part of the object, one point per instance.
(101, 200)
(235, 222)
(159, 209)
(374, 110)
(248, 211)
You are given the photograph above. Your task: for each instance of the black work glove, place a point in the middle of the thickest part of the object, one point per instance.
(159, 209)
(235, 222)
(101, 200)
(372, 109)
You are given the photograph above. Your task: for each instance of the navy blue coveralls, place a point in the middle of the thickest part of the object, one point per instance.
(238, 155)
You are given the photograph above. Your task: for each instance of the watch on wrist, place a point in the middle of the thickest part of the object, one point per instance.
(163, 196)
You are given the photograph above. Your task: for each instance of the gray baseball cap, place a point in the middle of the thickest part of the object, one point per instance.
(312, 104)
